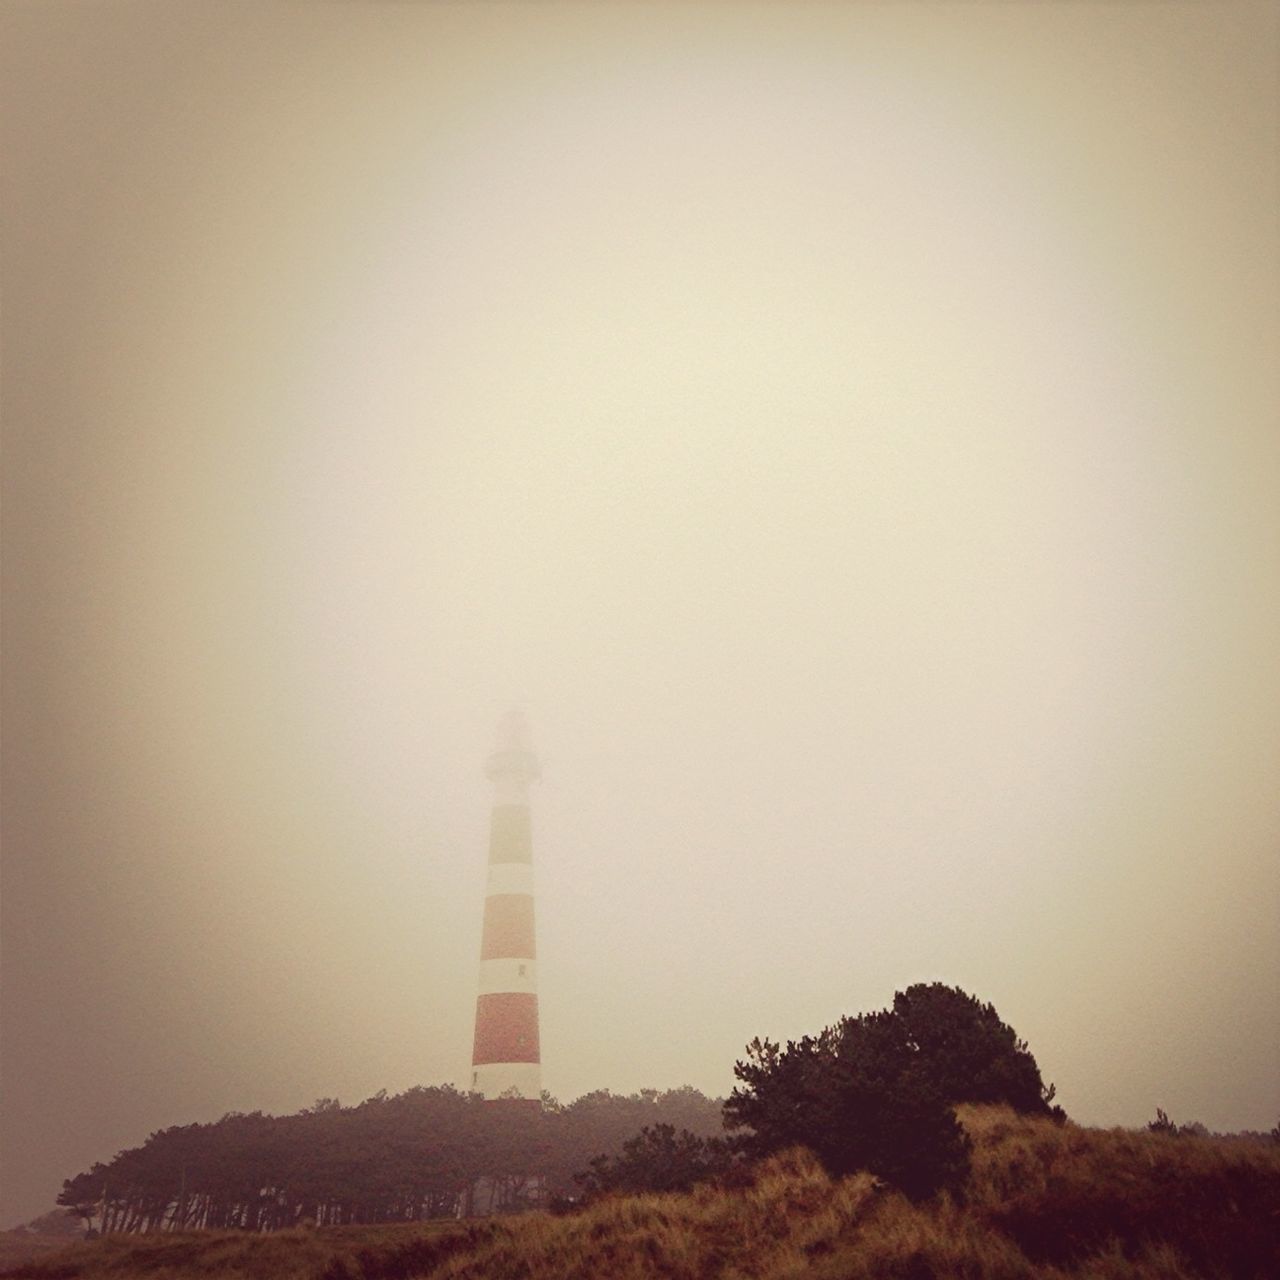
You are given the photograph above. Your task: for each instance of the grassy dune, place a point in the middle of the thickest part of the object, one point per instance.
(300, 1254)
(1043, 1201)
(18, 1246)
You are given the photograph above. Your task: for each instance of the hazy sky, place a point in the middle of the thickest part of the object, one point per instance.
(851, 432)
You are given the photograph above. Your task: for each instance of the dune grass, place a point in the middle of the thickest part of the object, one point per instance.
(1043, 1200)
(18, 1247)
(296, 1254)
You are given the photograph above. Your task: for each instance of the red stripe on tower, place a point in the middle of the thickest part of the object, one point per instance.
(506, 1028)
(505, 1060)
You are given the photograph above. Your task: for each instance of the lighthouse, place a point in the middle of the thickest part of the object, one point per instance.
(505, 1060)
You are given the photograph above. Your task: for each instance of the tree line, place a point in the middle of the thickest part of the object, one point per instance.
(876, 1091)
(418, 1154)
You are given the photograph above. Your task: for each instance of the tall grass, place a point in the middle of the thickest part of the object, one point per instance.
(1063, 1192)
(295, 1254)
(1043, 1200)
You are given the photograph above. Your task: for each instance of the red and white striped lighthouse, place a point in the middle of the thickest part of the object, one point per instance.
(505, 1059)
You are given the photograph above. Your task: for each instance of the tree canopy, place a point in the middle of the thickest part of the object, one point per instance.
(970, 1055)
(657, 1159)
(876, 1091)
(414, 1155)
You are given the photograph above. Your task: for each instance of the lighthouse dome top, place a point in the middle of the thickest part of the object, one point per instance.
(513, 759)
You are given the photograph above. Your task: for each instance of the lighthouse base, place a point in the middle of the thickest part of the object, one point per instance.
(487, 1196)
(508, 1080)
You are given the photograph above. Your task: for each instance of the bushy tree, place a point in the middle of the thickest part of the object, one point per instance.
(600, 1123)
(876, 1091)
(850, 1096)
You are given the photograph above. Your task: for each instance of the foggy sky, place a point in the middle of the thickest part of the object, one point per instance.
(850, 433)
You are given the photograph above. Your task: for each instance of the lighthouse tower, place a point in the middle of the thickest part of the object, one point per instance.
(505, 1059)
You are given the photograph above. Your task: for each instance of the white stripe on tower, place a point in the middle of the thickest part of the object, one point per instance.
(505, 1058)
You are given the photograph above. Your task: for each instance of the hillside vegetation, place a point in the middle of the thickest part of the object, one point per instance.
(386, 1160)
(1042, 1199)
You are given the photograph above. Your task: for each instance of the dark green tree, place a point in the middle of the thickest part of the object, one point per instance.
(658, 1158)
(852, 1097)
(876, 1091)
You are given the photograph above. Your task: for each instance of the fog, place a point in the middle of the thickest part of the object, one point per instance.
(848, 432)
